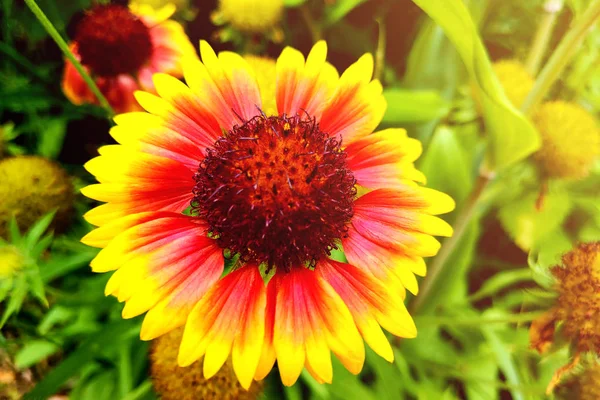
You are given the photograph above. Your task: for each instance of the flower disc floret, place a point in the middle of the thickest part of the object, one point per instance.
(113, 41)
(276, 190)
(578, 304)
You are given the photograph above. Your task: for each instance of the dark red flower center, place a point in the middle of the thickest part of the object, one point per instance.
(276, 190)
(112, 41)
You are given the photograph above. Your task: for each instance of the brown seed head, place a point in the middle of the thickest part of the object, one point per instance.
(578, 303)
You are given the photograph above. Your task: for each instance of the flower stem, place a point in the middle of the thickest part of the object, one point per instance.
(440, 261)
(562, 56)
(477, 321)
(125, 373)
(552, 9)
(37, 11)
(315, 29)
(380, 53)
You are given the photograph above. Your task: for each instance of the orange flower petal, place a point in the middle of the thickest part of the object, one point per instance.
(164, 263)
(311, 319)
(392, 229)
(357, 105)
(304, 87)
(134, 182)
(229, 318)
(370, 303)
(268, 356)
(384, 159)
(226, 85)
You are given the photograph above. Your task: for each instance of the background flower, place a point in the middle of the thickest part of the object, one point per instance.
(121, 49)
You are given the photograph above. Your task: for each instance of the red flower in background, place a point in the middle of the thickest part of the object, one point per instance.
(121, 49)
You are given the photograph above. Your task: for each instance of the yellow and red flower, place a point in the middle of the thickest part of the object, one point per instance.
(121, 49)
(204, 172)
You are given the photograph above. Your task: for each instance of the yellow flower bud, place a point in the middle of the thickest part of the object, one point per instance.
(570, 140)
(252, 16)
(515, 80)
(159, 4)
(30, 187)
(173, 382)
(11, 260)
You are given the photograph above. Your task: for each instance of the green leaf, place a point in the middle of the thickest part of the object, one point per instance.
(6, 285)
(503, 353)
(388, 384)
(347, 386)
(501, 281)
(293, 392)
(37, 230)
(445, 165)
(14, 234)
(60, 265)
(319, 390)
(410, 106)
(16, 299)
(512, 136)
(480, 368)
(100, 386)
(138, 393)
(528, 225)
(549, 251)
(36, 285)
(338, 255)
(51, 137)
(42, 245)
(56, 315)
(451, 285)
(25, 97)
(339, 10)
(111, 335)
(34, 352)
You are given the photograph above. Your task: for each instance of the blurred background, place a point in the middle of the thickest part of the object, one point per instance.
(503, 94)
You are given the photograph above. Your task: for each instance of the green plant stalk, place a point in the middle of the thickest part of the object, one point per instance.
(316, 32)
(39, 14)
(478, 321)
(380, 52)
(6, 12)
(125, 373)
(552, 9)
(463, 220)
(140, 391)
(562, 56)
